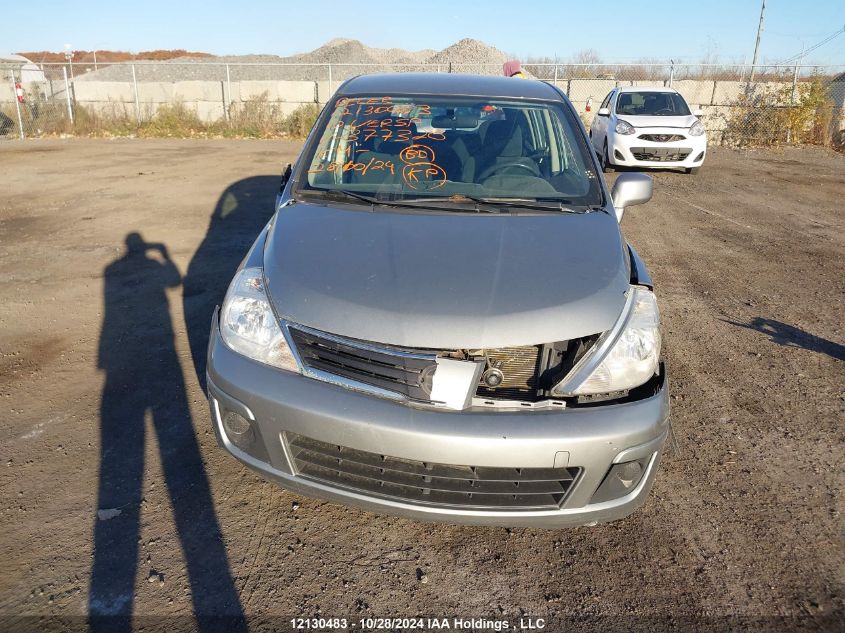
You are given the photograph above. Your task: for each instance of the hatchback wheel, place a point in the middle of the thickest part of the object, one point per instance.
(692, 170)
(606, 167)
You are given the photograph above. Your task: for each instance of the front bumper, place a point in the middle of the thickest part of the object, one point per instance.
(625, 148)
(280, 403)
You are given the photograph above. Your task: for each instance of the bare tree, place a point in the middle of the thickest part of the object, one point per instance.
(586, 63)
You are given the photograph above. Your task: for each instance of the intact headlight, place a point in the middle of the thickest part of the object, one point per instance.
(628, 355)
(696, 129)
(623, 127)
(248, 325)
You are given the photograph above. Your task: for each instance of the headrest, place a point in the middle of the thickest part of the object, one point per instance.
(504, 138)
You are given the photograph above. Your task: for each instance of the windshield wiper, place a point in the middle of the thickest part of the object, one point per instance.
(571, 207)
(495, 205)
(345, 193)
(559, 204)
(386, 202)
(458, 202)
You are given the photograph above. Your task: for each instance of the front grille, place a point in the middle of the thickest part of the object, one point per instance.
(387, 368)
(430, 484)
(662, 138)
(519, 368)
(661, 154)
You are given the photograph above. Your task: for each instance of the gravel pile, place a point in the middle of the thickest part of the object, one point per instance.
(344, 51)
(468, 55)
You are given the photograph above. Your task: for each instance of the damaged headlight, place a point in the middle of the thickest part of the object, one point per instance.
(623, 358)
(248, 325)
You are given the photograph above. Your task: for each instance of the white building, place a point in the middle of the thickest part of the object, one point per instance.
(25, 70)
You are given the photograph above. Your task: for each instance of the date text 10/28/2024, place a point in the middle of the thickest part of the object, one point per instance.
(417, 623)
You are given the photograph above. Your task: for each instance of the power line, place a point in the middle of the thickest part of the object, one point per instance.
(830, 37)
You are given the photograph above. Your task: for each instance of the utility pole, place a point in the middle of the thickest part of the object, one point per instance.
(757, 44)
(795, 75)
(69, 58)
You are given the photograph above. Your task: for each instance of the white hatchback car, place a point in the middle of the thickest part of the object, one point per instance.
(648, 127)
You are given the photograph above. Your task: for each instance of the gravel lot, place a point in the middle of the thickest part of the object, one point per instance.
(745, 519)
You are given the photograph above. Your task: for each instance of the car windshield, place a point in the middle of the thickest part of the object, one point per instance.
(405, 147)
(652, 104)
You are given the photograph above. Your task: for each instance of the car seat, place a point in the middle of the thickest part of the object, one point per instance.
(505, 144)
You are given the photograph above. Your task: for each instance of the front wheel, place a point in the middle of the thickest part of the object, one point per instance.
(692, 170)
(606, 167)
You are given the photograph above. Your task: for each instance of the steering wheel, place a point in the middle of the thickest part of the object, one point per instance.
(521, 162)
(669, 110)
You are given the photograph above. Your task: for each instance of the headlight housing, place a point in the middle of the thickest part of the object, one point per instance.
(626, 356)
(696, 129)
(248, 324)
(623, 127)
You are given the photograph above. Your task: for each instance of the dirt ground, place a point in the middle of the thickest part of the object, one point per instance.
(744, 526)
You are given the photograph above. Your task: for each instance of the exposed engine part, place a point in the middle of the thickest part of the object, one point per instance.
(493, 377)
(515, 369)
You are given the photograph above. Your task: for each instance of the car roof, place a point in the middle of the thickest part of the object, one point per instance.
(646, 89)
(448, 84)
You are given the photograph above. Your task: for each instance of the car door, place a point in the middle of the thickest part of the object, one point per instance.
(598, 129)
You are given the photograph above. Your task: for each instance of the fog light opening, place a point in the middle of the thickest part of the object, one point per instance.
(629, 474)
(699, 158)
(618, 155)
(620, 480)
(239, 430)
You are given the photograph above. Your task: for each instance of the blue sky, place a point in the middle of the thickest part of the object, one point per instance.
(619, 31)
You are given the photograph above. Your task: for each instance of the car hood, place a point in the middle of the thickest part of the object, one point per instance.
(659, 121)
(446, 280)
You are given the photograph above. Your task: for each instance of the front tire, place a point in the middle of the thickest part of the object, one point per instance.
(692, 170)
(606, 167)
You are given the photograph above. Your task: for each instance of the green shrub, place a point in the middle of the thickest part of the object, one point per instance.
(762, 116)
(301, 120)
(173, 120)
(255, 118)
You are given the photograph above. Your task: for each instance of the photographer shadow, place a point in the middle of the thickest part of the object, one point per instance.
(238, 217)
(144, 379)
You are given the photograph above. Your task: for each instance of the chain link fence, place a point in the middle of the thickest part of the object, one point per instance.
(741, 105)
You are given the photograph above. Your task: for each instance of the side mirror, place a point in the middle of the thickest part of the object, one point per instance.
(285, 177)
(603, 112)
(629, 190)
(698, 112)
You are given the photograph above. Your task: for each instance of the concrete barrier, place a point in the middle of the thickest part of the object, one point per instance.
(325, 91)
(156, 92)
(726, 92)
(715, 118)
(103, 91)
(695, 92)
(208, 111)
(582, 89)
(647, 83)
(198, 91)
(111, 109)
(288, 91)
(209, 99)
